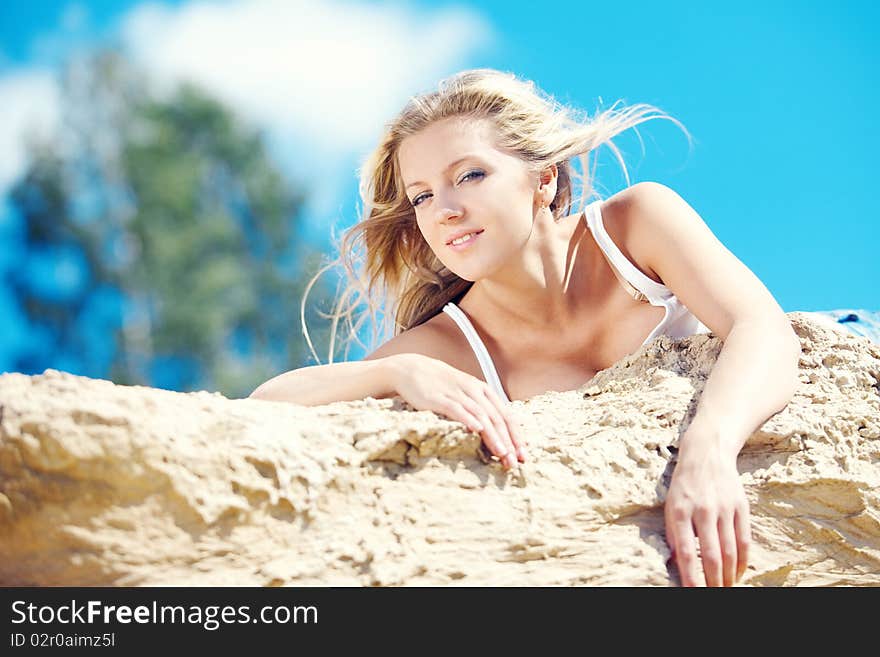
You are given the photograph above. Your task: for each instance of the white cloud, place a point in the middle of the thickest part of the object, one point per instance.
(321, 76)
(327, 71)
(29, 105)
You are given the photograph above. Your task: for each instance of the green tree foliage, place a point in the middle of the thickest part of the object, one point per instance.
(171, 200)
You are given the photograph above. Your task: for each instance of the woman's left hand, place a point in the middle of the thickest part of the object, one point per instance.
(706, 501)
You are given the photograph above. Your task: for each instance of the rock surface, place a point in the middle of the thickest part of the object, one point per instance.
(102, 484)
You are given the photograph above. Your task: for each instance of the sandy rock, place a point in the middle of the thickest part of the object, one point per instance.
(102, 484)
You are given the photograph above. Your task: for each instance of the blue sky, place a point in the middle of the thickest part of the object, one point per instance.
(778, 97)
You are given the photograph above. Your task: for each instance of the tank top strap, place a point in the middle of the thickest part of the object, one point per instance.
(473, 338)
(655, 292)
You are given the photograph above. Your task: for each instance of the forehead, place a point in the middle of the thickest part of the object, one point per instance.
(429, 151)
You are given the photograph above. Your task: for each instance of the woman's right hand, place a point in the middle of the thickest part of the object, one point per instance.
(430, 384)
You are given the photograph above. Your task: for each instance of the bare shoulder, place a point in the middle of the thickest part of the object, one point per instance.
(623, 221)
(630, 204)
(432, 338)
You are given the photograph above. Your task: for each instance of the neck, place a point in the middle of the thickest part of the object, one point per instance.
(540, 290)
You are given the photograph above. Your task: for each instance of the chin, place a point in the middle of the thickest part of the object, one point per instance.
(470, 269)
(464, 275)
(474, 273)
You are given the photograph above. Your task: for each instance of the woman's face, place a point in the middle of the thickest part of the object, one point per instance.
(488, 191)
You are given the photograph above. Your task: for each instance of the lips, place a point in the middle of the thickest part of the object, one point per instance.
(462, 234)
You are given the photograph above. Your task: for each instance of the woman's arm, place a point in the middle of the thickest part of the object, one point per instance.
(324, 384)
(753, 378)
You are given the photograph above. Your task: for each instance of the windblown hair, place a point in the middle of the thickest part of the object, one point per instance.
(401, 275)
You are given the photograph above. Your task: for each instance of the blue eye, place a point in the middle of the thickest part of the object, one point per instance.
(477, 173)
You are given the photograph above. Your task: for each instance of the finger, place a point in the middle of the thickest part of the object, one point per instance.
(494, 440)
(685, 549)
(742, 527)
(727, 536)
(500, 428)
(496, 420)
(467, 414)
(507, 425)
(519, 444)
(515, 428)
(710, 547)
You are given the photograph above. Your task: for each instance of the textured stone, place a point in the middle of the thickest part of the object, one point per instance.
(102, 484)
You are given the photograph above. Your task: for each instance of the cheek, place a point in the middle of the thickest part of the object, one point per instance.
(429, 239)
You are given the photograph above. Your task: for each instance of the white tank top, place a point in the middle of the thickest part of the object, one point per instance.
(678, 321)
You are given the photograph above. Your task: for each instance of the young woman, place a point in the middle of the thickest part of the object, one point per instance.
(498, 291)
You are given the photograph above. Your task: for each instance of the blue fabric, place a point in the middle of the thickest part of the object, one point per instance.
(865, 323)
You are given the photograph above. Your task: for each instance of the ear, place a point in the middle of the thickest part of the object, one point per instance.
(548, 175)
(547, 182)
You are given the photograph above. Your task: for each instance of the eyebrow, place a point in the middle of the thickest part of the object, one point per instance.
(448, 167)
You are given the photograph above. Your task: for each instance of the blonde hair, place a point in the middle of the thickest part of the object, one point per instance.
(400, 274)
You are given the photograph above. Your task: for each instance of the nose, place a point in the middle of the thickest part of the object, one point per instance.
(448, 208)
(448, 215)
